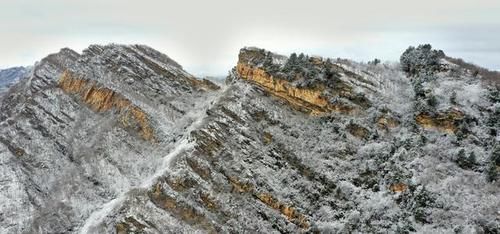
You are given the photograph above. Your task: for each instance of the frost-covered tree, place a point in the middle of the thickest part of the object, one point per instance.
(421, 60)
(375, 62)
(494, 95)
(465, 162)
(493, 121)
(492, 171)
(268, 60)
(425, 101)
(269, 64)
(453, 98)
(432, 101)
(302, 57)
(291, 63)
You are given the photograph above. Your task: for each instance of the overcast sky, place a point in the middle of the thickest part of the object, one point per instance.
(205, 36)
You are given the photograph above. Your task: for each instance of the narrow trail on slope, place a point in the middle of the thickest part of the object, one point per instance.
(95, 218)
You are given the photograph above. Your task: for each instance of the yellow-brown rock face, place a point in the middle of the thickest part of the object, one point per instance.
(267, 138)
(303, 98)
(129, 225)
(289, 212)
(102, 99)
(387, 122)
(443, 121)
(398, 187)
(358, 131)
(180, 210)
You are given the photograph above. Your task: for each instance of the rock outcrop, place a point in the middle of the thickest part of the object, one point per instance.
(317, 99)
(102, 99)
(446, 121)
(309, 99)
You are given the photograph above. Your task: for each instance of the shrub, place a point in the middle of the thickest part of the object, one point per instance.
(432, 101)
(453, 98)
(491, 171)
(465, 162)
(418, 200)
(375, 62)
(494, 95)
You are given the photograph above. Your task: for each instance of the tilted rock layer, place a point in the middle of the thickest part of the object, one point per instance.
(102, 99)
(309, 99)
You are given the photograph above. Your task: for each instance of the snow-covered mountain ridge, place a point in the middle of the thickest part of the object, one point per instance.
(120, 139)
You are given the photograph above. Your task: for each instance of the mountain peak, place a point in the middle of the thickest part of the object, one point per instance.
(128, 50)
(128, 67)
(128, 79)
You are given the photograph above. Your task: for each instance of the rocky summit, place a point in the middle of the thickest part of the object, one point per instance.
(121, 139)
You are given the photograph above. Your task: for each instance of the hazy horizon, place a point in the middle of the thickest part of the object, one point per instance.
(206, 40)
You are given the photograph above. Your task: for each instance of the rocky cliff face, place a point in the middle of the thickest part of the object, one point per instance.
(101, 99)
(121, 140)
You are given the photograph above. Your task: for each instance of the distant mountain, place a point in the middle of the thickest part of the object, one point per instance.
(120, 139)
(11, 76)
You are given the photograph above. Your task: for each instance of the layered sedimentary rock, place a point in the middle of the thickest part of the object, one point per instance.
(309, 99)
(102, 99)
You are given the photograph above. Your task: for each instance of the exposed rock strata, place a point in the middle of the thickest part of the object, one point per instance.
(446, 121)
(102, 99)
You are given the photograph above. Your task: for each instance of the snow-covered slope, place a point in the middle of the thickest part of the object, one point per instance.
(121, 140)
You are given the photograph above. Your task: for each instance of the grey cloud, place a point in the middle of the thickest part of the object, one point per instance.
(205, 36)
